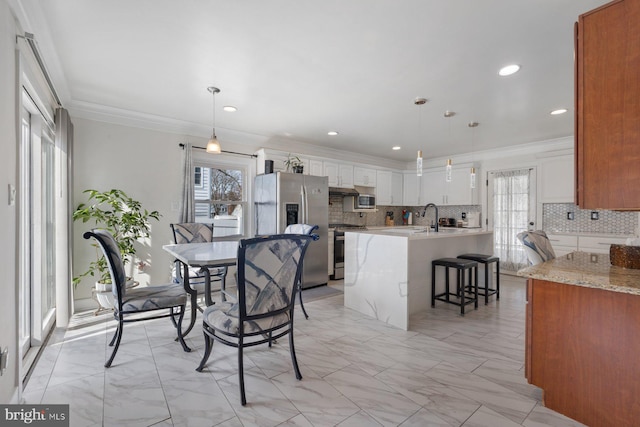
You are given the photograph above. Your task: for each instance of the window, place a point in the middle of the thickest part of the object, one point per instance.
(221, 199)
(198, 177)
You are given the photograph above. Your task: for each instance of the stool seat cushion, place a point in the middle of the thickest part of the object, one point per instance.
(480, 257)
(454, 262)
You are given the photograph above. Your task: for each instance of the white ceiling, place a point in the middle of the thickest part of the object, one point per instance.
(296, 69)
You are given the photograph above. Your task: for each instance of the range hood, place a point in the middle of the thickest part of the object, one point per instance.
(337, 191)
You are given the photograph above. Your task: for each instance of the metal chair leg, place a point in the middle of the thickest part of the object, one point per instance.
(208, 346)
(243, 398)
(301, 303)
(119, 338)
(292, 349)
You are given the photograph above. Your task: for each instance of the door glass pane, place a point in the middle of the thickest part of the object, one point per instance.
(221, 199)
(511, 207)
(48, 224)
(25, 265)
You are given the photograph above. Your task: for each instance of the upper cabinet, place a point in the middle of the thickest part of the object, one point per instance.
(364, 176)
(607, 145)
(316, 167)
(556, 180)
(436, 190)
(388, 188)
(410, 189)
(340, 175)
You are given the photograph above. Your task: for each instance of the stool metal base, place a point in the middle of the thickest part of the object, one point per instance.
(485, 291)
(461, 289)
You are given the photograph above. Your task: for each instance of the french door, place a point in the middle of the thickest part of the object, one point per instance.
(511, 207)
(37, 255)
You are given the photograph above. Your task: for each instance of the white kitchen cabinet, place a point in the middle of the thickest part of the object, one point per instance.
(556, 179)
(598, 244)
(364, 176)
(383, 188)
(563, 244)
(411, 189)
(316, 167)
(457, 192)
(339, 174)
(396, 189)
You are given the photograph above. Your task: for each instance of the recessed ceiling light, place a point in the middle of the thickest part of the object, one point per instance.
(396, 147)
(508, 70)
(558, 111)
(230, 108)
(332, 133)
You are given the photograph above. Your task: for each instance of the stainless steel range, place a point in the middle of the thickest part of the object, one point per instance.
(338, 247)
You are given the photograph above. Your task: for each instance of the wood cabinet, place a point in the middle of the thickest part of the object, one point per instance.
(556, 180)
(581, 348)
(364, 176)
(607, 143)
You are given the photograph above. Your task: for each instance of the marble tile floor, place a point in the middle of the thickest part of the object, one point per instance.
(447, 370)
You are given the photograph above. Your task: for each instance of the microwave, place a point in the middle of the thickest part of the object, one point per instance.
(361, 202)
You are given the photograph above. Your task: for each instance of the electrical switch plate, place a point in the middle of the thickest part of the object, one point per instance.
(595, 215)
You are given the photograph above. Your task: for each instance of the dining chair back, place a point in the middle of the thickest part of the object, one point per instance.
(301, 229)
(537, 246)
(134, 301)
(269, 269)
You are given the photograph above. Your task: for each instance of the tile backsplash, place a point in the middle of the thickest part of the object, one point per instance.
(555, 219)
(337, 216)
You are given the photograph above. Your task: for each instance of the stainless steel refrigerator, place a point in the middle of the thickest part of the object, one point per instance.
(282, 199)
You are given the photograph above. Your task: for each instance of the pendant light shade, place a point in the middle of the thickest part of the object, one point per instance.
(213, 146)
(419, 163)
(447, 171)
(472, 178)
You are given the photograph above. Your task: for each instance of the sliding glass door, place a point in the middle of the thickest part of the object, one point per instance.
(37, 231)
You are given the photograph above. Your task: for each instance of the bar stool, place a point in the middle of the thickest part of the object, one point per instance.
(486, 260)
(461, 266)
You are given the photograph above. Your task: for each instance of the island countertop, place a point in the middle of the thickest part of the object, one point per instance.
(419, 233)
(587, 270)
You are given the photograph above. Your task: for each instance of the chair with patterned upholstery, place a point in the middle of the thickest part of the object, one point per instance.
(195, 232)
(301, 229)
(269, 269)
(537, 246)
(130, 304)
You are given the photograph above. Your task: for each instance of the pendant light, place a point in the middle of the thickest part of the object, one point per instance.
(419, 101)
(472, 174)
(447, 169)
(213, 146)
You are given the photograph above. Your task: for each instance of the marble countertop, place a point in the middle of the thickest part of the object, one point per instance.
(588, 270)
(414, 232)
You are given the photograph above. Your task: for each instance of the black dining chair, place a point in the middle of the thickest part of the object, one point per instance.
(269, 270)
(301, 229)
(137, 304)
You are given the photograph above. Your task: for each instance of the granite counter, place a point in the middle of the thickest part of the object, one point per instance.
(588, 270)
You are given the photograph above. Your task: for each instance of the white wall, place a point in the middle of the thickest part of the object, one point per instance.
(145, 164)
(8, 176)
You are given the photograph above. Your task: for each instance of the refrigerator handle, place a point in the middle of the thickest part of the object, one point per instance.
(303, 198)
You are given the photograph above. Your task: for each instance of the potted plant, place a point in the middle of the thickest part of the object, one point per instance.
(294, 164)
(123, 217)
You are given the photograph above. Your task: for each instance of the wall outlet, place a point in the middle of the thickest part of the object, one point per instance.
(595, 215)
(464, 215)
(570, 216)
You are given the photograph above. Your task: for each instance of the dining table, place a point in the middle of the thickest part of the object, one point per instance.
(220, 253)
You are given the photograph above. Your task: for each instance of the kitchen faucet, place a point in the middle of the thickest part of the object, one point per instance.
(428, 205)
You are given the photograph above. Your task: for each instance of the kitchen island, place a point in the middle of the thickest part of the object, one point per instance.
(582, 338)
(388, 271)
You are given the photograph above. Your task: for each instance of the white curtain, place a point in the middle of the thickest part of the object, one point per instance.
(188, 210)
(511, 216)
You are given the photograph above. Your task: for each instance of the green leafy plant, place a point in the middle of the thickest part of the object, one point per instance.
(123, 217)
(294, 164)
